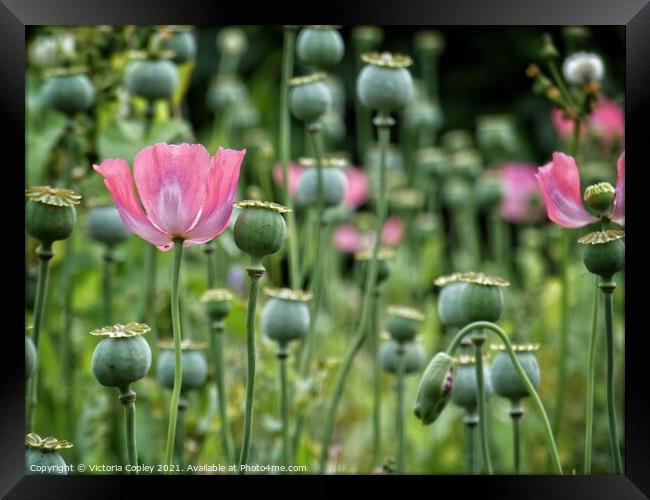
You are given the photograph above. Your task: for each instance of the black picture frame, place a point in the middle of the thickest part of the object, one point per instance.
(15, 15)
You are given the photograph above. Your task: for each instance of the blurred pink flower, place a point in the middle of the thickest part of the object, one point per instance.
(295, 169)
(606, 121)
(559, 182)
(349, 239)
(519, 191)
(183, 192)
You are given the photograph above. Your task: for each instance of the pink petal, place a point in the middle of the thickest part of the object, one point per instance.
(618, 215)
(295, 171)
(393, 231)
(347, 239)
(357, 193)
(171, 181)
(607, 120)
(221, 188)
(117, 178)
(563, 126)
(559, 182)
(519, 187)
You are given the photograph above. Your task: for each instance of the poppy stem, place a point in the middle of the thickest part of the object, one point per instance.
(478, 339)
(376, 381)
(127, 398)
(178, 363)
(284, 406)
(399, 389)
(516, 412)
(591, 363)
(107, 289)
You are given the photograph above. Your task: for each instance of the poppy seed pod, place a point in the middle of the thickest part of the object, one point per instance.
(384, 84)
(195, 366)
(457, 140)
(123, 357)
(464, 390)
(152, 79)
(68, 93)
(432, 161)
(488, 190)
(226, 91)
(384, 258)
(285, 316)
(482, 298)
(456, 193)
(105, 226)
(260, 228)
(31, 358)
(413, 354)
(320, 46)
(496, 133)
(335, 186)
(218, 303)
(434, 389)
(309, 97)
(183, 44)
(50, 213)
(504, 376)
(449, 304)
(403, 323)
(604, 252)
(42, 457)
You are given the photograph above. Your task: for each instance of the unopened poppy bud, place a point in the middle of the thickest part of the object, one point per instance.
(68, 94)
(31, 358)
(218, 303)
(604, 252)
(260, 228)
(309, 97)
(50, 213)
(464, 390)
(286, 316)
(320, 46)
(435, 388)
(549, 51)
(412, 352)
(123, 356)
(194, 365)
(105, 226)
(385, 84)
(403, 323)
(152, 79)
(600, 196)
(504, 376)
(42, 455)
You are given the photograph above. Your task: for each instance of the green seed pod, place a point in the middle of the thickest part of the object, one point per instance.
(496, 133)
(413, 356)
(232, 41)
(456, 140)
(218, 303)
(504, 376)
(367, 37)
(466, 163)
(403, 323)
(285, 316)
(429, 42)
(449, 304)
(245, 115)
(105, 226)
(422, 114)
(50, 213)
(482, 298)
(600, 196)
(432, 161)
(385, 84)
(333, 127)
(309, 97)
(123, 357)
(464, 390)
(31, 358)
(42, 457)
(183, 44)
(195, 366)
(372, 158)
(384, 264)
(152, 79)
(225, 92)
(435, 388)
(488, 190)
(320, 46)
(604, 253)
(260, 228)
(335, 186)
(68, 93)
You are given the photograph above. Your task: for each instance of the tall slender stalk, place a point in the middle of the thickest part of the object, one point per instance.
(179, 440)
(516, 412)
(591, 364)
(376, 380)
(107, 289)
(399, 410)
(178, 364)
(255, 272)
(45, 254)
(149, 298)
(479, 339)
(383, 123)
(284, 408)
(127, 398)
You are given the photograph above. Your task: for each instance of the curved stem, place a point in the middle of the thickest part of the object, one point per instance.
(478, 339)
(284, 395)
(399, 389)
(255, 272)
(285, 153)
(45, 254)
(607, 287)
(537, 402)
(127, 398)
(591, 363)
(383, 123)
(178, 367)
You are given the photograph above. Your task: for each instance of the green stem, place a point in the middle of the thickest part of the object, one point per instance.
(497, 237)
(45, 254)
(591, 363)
(149, 302)
(284, 393)
(559, 81)
(178, 366)
(383, 124)
(107, 290)
(516, 449)
(127, 398)
(607, 286)
(478, 339)
(537, 402)
(471, 459)
(179, 440)
(399, 389)
(285, 153)
(255, 272)
(376, 382)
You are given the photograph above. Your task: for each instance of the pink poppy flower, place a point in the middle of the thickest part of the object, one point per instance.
(606, 121)
(519, 192)
(559, 182)
(183, 192)
(349, 239)
(295, 170)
